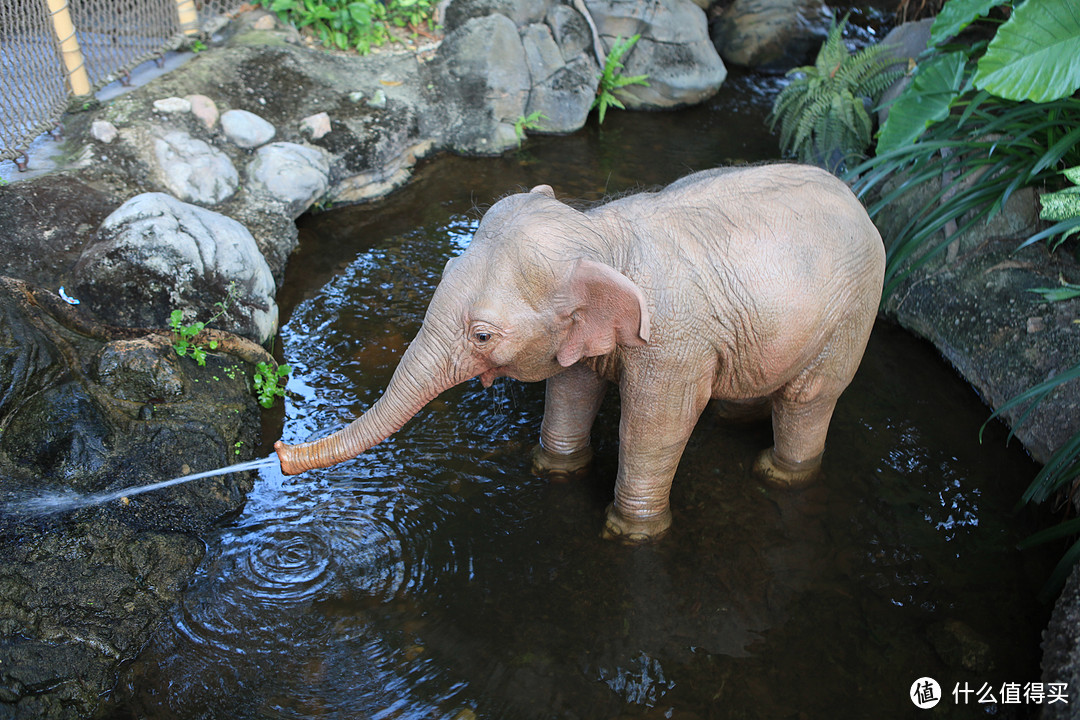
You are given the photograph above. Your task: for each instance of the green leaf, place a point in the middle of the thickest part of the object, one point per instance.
(925, 101)
(1034, 55)
(957, 15)
(1060, 205)
(1073, 174)
(1067, 291)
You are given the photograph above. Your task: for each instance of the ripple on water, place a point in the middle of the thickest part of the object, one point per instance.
(268, 569)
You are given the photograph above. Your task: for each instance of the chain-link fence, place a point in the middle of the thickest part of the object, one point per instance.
(53, 50)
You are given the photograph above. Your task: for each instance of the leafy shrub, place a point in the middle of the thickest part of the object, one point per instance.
(822, 112)
(353, 24)
(1003, 114)
(612, 80)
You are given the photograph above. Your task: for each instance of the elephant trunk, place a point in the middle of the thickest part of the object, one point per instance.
(425, 370)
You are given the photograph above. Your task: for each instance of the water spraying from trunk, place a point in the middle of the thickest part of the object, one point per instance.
(57, 501)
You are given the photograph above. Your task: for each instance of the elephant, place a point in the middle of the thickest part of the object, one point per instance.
(757, 286)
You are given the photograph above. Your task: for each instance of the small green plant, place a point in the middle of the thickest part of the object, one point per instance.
(822, 111)
(185, 341)
(197, 46)
(354, 24)
(267, 382)
(236, 447)
(528, 122)
(612, 81)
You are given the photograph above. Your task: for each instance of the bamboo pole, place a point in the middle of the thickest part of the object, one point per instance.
(78, 80)
(189, 16)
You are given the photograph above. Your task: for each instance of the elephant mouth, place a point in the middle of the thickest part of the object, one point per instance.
(488, 376)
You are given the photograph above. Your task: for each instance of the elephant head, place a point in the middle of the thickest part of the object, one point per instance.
(531, 295)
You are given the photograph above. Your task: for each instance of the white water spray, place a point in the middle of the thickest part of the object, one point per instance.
(51, 502)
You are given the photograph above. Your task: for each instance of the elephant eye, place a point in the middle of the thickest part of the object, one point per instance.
(481, 334)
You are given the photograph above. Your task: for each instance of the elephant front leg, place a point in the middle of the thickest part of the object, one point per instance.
(572, 399)
(655, 427)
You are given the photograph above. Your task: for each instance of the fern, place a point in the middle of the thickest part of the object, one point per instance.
(822, 112)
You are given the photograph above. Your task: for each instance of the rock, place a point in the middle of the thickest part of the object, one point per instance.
(103, 130)
(1061, 648)
(295, 175)
(156, 253)
(520, 12)
(960, 647)
(377, 99)
(674, 50)
(904, 42)
(82, 593)
(482, 72)
(205, 109)
(172, 105)
(315, 126)
(246, 129)
(771, 34)
(194, 171)
(140, 368)
(562, 91)
(570, 32)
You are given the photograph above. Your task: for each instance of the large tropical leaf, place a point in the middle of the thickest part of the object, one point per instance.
(957, 15)
(925, 101)
(1035, 55)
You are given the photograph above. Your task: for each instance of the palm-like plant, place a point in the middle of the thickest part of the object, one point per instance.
(823, 112)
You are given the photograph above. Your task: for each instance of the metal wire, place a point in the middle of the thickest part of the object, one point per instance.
(114, 36)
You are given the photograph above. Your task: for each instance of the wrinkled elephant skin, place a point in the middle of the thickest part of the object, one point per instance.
(756, 286)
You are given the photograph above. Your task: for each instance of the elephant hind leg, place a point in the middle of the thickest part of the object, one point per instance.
(799, 430)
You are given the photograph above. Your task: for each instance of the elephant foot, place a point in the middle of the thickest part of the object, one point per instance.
(557, 467)
(785, 474)
(635, 530)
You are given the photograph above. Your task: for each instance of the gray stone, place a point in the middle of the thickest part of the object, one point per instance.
(194, 171)
(172, 105)
(246, 129)
(520, 12)
(103, 130)
(674, 50)
(205, 109)
(295, 175)
(562, 91)
(905, 43)
(482, 74)
(570, 31)
(155, 253)
(771, 34)
(315, 126)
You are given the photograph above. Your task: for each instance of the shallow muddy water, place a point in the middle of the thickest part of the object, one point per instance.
(435, 577)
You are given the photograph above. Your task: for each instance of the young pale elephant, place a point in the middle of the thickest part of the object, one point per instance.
(748, 285)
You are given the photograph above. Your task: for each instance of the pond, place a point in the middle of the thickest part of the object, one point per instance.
(436, 577)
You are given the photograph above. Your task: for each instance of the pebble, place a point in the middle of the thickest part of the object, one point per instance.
(205, 109)
(172, 105)
(246, 129)
(315, 126)
(103, 130)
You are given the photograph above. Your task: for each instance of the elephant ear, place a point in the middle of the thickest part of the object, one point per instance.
(606, 309)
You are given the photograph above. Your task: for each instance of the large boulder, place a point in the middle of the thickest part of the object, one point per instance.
(155, 253)
(481, 70)
(674, 50)
(771, 34)
(86, 409)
